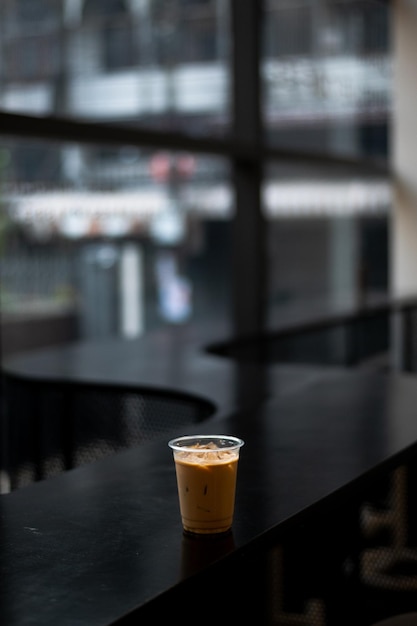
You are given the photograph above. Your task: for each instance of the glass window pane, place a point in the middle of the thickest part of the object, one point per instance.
(327, 75)
(111, 241)
(327, 241)
(162, 64)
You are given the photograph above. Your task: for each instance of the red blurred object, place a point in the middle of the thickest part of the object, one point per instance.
(163, 166)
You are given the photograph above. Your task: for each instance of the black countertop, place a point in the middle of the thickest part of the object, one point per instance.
(103, 542)
(170, 361)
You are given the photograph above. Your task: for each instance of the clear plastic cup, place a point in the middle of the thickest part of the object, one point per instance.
(206, 469)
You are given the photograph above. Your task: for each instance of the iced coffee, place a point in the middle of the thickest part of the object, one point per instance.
(206, 469)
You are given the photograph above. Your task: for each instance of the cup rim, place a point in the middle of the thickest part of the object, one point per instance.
(175, 444)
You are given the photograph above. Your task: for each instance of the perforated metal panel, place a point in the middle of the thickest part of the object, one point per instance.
(51, 428)
(357, 564)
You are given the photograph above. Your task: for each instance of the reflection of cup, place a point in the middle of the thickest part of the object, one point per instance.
(206, 467)
(197, 553)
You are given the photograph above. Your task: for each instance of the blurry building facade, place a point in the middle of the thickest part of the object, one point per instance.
(119, 240)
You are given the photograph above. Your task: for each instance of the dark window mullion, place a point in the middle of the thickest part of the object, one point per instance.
(249, 258)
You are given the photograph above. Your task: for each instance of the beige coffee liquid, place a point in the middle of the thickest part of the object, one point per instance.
(206, 487)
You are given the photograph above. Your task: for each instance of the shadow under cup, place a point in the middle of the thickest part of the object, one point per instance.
(206, 469)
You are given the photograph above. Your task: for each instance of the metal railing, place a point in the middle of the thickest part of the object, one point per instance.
(381, 335)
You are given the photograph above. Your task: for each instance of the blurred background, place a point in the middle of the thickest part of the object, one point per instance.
(101, 240)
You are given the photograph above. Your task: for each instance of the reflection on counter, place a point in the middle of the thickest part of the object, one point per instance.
(200, 551)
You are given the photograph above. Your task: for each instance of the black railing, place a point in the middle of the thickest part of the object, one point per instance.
(383, 334)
